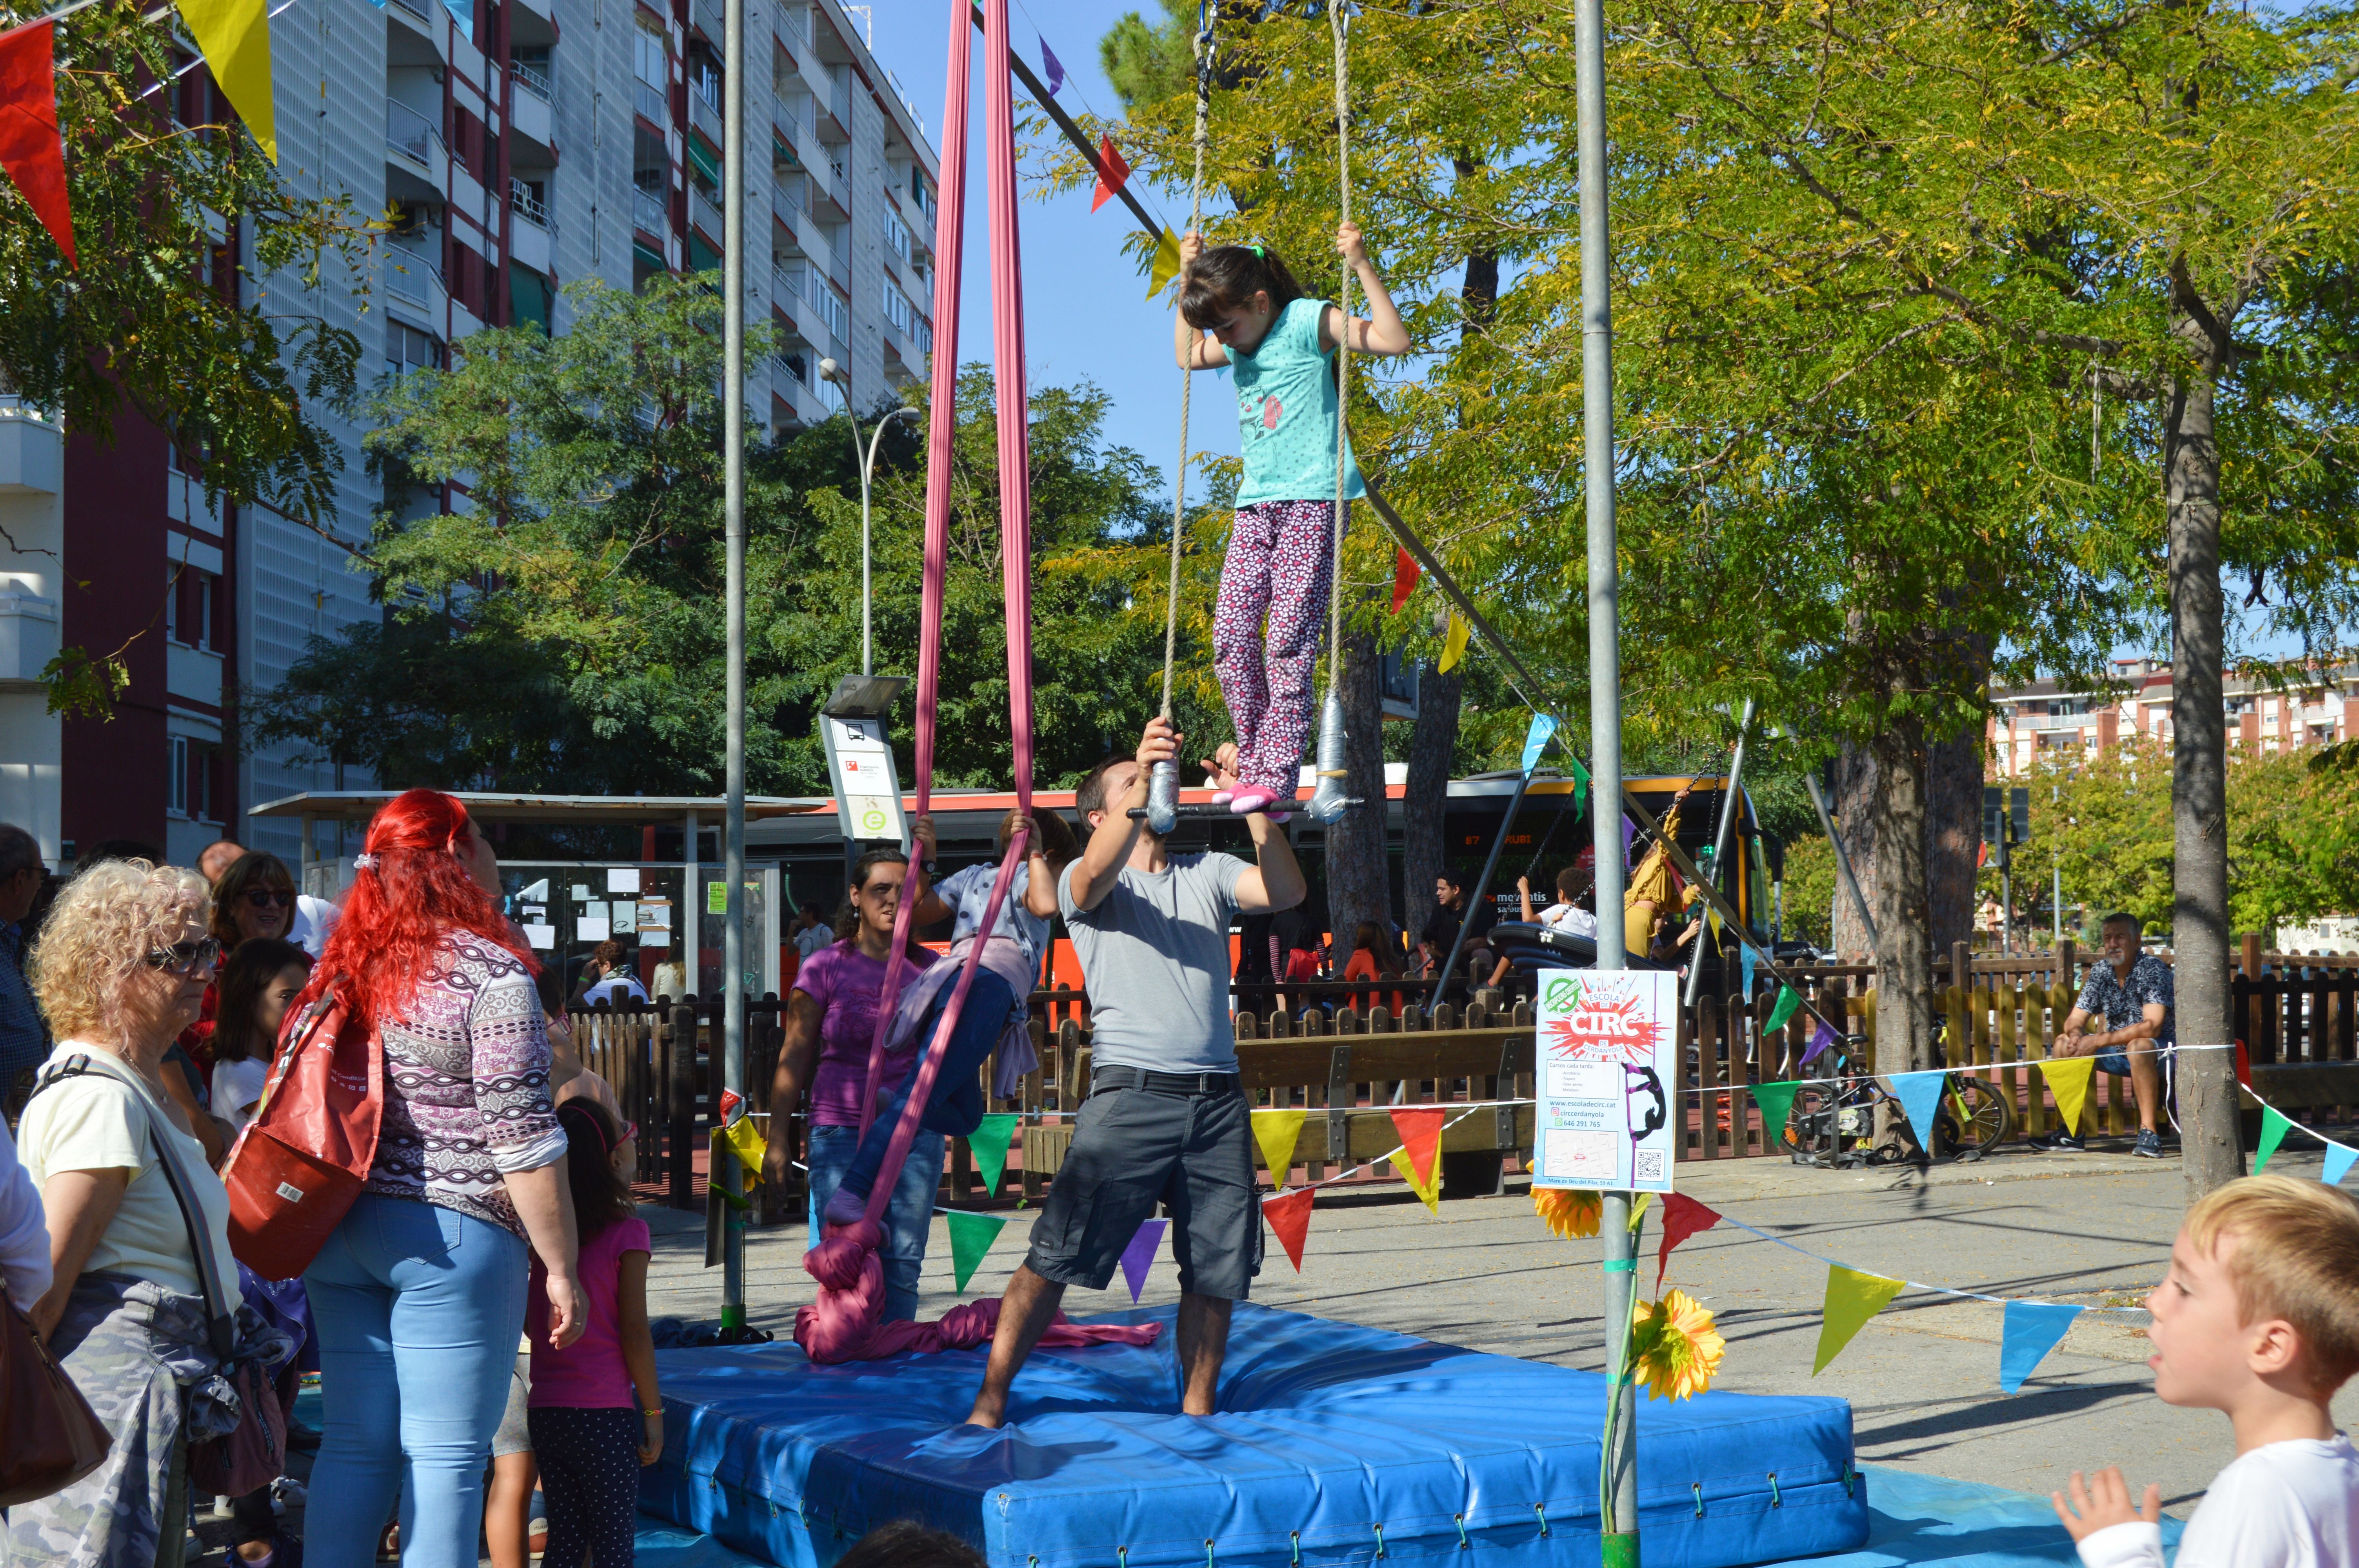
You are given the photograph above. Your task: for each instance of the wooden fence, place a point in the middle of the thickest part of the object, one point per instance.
(1344, 1051)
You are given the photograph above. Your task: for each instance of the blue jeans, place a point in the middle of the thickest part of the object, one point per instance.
(908, 1217)
(417, 1308)
(956, 1105)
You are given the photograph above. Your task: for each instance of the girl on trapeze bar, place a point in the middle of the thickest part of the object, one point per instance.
(1239, 306)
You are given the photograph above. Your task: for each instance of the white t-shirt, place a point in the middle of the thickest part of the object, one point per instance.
(237, 1085)
(2284, 1504)
(616, 988)
(99, 1122)
(1571, 919)
(815, 938)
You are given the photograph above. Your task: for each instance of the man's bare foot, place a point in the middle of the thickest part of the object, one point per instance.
(988, 1413)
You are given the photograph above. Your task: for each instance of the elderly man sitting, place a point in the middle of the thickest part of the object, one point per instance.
(2129, 995)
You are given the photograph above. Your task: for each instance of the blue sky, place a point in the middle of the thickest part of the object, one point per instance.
(1086, 316)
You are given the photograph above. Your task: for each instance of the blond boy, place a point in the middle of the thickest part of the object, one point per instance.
(2258, 1318)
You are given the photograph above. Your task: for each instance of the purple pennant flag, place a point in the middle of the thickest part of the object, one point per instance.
(1629, 831)
(1055, 67)
(1821, 1039)
(1139, 1256)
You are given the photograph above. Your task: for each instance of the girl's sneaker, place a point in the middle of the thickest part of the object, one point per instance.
(1250, 799)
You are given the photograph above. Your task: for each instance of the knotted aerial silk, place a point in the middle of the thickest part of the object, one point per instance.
(845, 1324)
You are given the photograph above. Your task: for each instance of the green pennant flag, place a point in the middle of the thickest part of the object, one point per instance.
(2273, 1130)
(1851, 1299)
(970, 1236)
(1790, 1001)
(1776, 1103)
(988, 1142)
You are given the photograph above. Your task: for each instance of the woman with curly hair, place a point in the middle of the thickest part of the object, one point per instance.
(119, 969)
(419, 1296)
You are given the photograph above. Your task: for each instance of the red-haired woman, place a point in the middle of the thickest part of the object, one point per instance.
(418, 1297)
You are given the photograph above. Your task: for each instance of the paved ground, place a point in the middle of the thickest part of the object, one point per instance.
(1922, 1378)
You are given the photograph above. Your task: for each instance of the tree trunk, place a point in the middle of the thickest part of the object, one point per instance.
(1953, 830)
(1355, 846)
(1433, 743)
(1904, 953)
(2212, 1148)
(1852, 804)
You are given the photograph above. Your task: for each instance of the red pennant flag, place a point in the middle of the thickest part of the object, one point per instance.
(1682, 1217)
(29, 144)
(2244, 1067)
(1405, 571)
(1290, 1216)
(1112, 174)
(1420, 1136)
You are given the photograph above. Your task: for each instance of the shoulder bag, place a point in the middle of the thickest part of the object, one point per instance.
(306, 1155)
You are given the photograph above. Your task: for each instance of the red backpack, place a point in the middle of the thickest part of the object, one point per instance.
(305, 1156)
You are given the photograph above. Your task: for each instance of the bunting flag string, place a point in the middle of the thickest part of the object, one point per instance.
(1113, 173)
(1405, 572)
(988, 1143)
(1139, 1256)
(1454, 644)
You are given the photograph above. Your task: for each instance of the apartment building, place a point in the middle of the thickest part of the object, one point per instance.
(2048, 717)
(514, 147)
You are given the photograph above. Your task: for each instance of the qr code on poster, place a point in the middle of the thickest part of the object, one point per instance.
(1646, 1166)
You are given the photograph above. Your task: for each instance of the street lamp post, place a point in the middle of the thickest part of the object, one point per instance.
(831, 371)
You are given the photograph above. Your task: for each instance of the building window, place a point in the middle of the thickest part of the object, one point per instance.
(897, 234)
(408, 348)
(898, 311)
(189, 778)
(651, 65)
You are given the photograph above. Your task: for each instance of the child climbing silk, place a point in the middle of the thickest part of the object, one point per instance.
(1281, 551)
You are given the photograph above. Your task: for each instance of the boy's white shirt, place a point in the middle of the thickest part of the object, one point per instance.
(2284, 1504)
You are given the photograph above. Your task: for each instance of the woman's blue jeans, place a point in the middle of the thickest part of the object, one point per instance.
(907, 1219)
(417, 1310)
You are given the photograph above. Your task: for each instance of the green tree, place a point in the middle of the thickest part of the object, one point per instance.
(159, 317)
(565, 631)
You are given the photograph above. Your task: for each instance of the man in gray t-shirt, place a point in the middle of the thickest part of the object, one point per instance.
(1166, 1121)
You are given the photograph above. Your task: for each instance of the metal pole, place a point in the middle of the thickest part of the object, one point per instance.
(868, 468)
(1720, 838)
(727, 1172)
(1482, 892)
(1619, 1503)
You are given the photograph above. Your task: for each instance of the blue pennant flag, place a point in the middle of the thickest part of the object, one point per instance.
(2339, 1157)
(2029, 1333)
(1920, 1097)
(1055, 67)
(1746, 959)
(1536, 738)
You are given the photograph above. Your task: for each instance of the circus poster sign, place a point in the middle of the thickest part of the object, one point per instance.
(1608, 1060)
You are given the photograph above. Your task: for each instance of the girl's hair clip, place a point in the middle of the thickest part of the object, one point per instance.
(365, 862)
(1259, 251)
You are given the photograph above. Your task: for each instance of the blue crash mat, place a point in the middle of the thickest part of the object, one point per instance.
(1333, 1444)
(1958, 1524)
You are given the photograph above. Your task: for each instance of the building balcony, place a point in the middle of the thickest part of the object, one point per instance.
(193, 674)
(531, 235)
(647, 100)
(412, 280)
(648, 215)
(529, 114)
(28, 635)
(32, 451)
(706, 217)
(704, 118)
(417, 163)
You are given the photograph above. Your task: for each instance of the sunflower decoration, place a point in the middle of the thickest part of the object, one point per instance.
(1569, 1211)
(1674, 1349)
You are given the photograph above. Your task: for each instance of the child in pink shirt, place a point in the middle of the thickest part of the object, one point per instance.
(595, 1414)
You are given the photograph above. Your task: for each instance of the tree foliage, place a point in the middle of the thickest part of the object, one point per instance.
(565, 630)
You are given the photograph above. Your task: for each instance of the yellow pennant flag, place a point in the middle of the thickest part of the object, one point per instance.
(1430, 1188)
(1277, 1131)
(2069, 1077)
(235, 36)
(1851, 1299)
(1165, 265)
(747, 1143)
(1453, 646)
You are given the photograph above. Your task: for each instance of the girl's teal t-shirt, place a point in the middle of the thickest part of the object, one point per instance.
(1286, 413)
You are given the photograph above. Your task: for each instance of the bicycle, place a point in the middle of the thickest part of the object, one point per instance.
(1833, 1124)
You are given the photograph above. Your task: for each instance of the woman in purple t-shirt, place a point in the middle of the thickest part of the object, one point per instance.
(831, 1024)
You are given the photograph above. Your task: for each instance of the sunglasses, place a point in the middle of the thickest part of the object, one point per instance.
(270, 898)
(186, 959)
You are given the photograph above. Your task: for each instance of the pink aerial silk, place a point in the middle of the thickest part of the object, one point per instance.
(843, 1325)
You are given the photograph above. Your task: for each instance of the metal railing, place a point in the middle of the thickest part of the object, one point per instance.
(526, 205)
(409, 133)
(531, 80)
(416, 8)
(412, 277)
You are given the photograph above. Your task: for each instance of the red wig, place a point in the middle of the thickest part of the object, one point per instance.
(412, 891)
